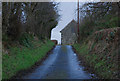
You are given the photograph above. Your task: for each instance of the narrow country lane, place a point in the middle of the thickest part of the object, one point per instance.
(62, 63)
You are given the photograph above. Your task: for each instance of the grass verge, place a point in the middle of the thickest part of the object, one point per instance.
(96, 62)
(21, 58)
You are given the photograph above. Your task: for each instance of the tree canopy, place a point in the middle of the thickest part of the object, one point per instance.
(96, 16)
(28, 17)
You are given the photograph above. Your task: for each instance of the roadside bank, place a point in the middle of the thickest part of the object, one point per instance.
(100, 53)
(21, 59)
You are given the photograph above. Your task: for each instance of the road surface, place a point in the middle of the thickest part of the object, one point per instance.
(62, 63)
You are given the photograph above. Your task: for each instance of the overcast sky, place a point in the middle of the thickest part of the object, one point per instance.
(67, 13)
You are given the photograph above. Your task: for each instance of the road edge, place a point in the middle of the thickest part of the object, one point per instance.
(21, 73)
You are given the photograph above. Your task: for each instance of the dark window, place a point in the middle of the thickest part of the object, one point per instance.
(72, 29)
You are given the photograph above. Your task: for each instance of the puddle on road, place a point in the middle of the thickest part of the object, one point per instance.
(60, 74)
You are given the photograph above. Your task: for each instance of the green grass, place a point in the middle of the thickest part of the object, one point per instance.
(100, 66)
(82, 49)
(23, 58)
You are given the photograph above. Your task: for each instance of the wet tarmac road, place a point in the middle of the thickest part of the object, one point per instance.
(62, 63)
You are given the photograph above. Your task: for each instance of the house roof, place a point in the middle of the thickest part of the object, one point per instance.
(68, 25)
